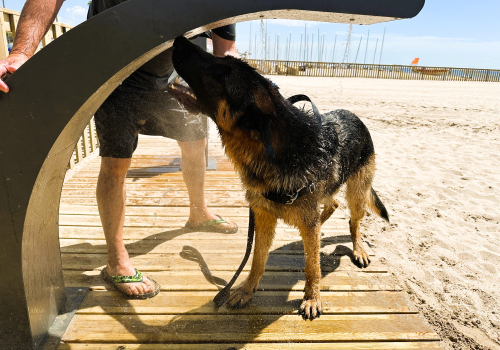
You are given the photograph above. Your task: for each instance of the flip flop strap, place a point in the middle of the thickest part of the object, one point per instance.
(213, 222)
(128, 279)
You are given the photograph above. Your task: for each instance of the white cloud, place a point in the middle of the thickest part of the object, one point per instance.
(73, 15)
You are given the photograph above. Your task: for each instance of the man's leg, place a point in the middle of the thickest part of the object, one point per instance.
(193, 172)
(111, 202)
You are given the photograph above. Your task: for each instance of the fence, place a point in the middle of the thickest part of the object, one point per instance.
(8, 26)
(323, 69)
(88, 142)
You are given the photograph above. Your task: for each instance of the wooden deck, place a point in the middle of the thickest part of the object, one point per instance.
(364, 309)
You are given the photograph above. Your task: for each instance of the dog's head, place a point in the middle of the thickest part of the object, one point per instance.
(229, 91)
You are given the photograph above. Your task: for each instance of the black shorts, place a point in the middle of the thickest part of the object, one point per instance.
(132, 110)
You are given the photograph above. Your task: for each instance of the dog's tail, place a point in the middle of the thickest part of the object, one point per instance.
(377, 206)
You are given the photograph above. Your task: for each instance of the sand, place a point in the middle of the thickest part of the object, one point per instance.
(438, 174)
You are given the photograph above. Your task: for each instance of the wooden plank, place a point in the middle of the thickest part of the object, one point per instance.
(78, 150)
(271, 280)
(165, 192)
(162, 172)
(247, 328)
(89, 181)
(57, 30)
(133, 187)
(158, 161)
(14, 20)
(47, 39)
(93, 136)
(337, 245)
(266, 302)
(165, 211)
(86, 142)
(211, 201)
(255, 346)
(216, 262)
(165, 221)
(4, 51)
(144, 233)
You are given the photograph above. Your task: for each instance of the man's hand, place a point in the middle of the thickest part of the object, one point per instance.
(9, 66)
(35, 20)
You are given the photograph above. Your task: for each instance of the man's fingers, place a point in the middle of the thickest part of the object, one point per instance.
(3, 86)
(3, 75)
(12, 68)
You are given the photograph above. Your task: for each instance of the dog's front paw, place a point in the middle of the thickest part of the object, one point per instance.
(311, 309)
(361, 258)
(239, 298)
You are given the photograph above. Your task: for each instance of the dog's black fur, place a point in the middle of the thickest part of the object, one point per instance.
(277, 147)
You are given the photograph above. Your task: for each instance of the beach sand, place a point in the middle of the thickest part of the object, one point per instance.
(438, 174)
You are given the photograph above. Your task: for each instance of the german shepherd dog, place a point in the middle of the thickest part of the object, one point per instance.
(279, 149)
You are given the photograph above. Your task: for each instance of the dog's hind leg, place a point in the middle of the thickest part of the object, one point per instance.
(265, 226)
(358, 191)
(311, 305)
(330, 206)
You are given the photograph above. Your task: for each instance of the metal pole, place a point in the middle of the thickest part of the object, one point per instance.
(334, 44)
(305, 42)
(312, 45)
(319, 41)
(265, 43)
(381, 48)
(356, 60)
(375, 53)
(289, 45)
(305, 48)
(300, 47)
(366, 50)
(278, 47)
(256, 52)
(250, 41)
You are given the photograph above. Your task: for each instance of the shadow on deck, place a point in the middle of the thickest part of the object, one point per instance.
(364, 309)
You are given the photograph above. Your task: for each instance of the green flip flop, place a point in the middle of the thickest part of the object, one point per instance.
(137, 278)
(210, 226)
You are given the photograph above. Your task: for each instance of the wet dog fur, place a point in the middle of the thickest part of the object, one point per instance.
(275, 146)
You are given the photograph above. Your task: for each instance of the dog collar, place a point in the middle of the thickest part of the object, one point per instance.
(289, 198)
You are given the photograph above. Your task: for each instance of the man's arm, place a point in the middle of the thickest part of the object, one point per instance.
(36, 18)
(223, 47)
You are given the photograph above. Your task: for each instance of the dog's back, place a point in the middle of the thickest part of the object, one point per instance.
(355, 146)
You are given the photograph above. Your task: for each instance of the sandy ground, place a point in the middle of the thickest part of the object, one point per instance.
(438, 174)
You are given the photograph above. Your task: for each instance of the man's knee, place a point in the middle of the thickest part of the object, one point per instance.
(114, 167)
(193, 148)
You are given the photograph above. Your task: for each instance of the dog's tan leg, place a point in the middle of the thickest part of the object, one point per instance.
(328, 210)
(311, 305)
(357, 192)
(265, 225)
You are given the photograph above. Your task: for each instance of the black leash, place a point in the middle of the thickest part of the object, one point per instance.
(296, 98)
(223, 294)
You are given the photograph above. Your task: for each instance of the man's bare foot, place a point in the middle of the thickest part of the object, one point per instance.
(203, 218)
(130, 288)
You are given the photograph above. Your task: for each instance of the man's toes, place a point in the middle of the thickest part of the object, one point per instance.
(148, 285)
(132, 290)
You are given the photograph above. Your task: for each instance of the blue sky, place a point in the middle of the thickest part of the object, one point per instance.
(459, 33)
